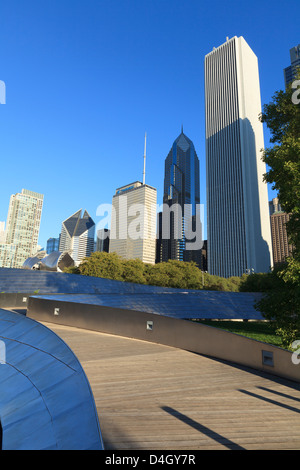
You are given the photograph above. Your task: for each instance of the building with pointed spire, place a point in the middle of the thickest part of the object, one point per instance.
(77, 236)
(133, 220)
(181, 201)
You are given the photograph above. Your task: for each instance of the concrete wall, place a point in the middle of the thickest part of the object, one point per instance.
(182, 334)
(13, 300)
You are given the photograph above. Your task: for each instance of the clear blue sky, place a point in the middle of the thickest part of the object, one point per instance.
(85, 79)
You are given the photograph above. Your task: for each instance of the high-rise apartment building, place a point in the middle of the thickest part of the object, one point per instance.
(22, 228)
(182, 191)
(133, 222)
(291, 70)
(280, 243)
(238, 227)
(77, 236)
(2, 232)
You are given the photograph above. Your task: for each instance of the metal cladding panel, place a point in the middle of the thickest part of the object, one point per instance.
(43, 282)
(182, 305)
(45, 398)
(179, 303)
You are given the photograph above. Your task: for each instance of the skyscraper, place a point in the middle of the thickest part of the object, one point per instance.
(52, 245)
(22, 228)
(133, 222)
(2, 232)
(238, 227)
(181, 191)
(77, 236)
(291, 70)
(102, 242)
(281, 246)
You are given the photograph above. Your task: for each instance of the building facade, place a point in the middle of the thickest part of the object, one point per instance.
(291, 70)
(77, 236)
(22, 228)
(238, 227)
(2, 232)
(280, 243)
(102, 242)
(133, 222)
(52, 245)
(181, 204)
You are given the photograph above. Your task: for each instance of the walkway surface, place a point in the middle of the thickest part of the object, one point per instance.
(151, 396)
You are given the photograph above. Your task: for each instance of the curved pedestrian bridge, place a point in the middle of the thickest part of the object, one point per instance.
(151, 396)
(155, 380)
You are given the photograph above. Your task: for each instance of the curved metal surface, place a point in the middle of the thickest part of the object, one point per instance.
(184, 305)
(45, 398)
(56, 260)
(31, 263)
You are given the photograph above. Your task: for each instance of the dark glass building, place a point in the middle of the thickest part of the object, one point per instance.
(290, 72)
(181, 208)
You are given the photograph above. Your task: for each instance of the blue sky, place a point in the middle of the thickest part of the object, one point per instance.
(85, 79)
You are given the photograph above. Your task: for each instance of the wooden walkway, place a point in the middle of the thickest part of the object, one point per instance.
(150, 396)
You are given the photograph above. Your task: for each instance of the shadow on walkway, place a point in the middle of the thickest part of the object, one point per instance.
(203, 429)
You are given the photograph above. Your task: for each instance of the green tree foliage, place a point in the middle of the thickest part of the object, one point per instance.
(134, 270)
(101, 264)
(257, 282)
(281, 303)
(176, 274)
(282, 117)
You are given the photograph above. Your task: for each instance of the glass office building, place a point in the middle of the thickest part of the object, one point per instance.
(291, 70)
(52, 245)
(181, 200)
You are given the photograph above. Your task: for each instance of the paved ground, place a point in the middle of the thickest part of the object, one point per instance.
(150, 396)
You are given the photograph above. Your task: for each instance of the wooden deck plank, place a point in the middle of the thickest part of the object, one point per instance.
(151, 396)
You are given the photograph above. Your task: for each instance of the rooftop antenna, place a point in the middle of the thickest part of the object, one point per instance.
(144, 171)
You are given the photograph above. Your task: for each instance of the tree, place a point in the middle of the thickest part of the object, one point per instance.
(173, 273)
(134, 271)
(102, 264)
(282, 117)
(281, 304)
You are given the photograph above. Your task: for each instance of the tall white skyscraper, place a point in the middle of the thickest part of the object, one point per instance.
(22, 228)
(238, 227)
(133, 222)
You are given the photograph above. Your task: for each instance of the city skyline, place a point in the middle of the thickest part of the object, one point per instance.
(73, 99)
